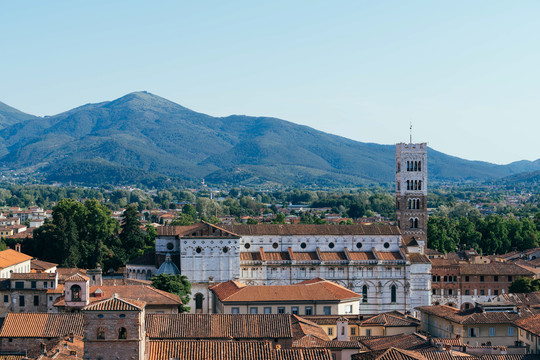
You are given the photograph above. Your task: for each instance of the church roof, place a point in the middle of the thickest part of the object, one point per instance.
(168, 267)
(116, 304)
(311, 229)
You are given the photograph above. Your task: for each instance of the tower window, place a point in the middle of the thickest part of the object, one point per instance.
(364, 294)
(419, 166)
(122, 333)
(101, 333)
(75, 293)
(393, 294)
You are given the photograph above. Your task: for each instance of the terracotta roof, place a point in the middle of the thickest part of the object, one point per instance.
(229, 350)
(388, 255)
(202, 229)
(475, 315)
(302, 328)
(78, 277)
(449, 341)
(333, 256)
(33, 276)
(429, 251)
(530, 299)
(308, 229)
(320, 290)
(418, 258)
(310, 341)
(11, 257)
(149, 294)
(218, 326)
(401, 341)
(42, 325)
(390, 354)
(361, 255)
(494, 268)
(116, 304)
(531, 324)
(64, 273)
(39, 265)
(391, 319)
(305, 255)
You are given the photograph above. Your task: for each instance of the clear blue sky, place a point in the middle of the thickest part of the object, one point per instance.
(466, 73)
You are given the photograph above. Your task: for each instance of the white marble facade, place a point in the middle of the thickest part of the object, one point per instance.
(378, 266)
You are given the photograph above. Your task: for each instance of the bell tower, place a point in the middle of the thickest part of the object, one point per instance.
(411, 191)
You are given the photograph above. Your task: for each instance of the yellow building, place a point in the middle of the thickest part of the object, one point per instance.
(385, 324)
(480, 326)
(529, 333)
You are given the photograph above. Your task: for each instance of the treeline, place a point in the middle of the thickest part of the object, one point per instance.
(84, 235)
(493, 234)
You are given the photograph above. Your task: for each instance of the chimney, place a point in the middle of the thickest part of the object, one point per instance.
(342, 329)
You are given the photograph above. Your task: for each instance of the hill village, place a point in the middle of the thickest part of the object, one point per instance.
(341, 290)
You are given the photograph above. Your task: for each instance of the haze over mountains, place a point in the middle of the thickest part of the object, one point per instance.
(142, 136)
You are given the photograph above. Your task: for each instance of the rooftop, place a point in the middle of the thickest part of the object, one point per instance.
(315, 290)
(42, 325)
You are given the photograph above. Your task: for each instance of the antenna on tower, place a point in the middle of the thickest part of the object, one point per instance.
(410, 135)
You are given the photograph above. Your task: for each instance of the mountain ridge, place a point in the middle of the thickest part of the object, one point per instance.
(158, 137)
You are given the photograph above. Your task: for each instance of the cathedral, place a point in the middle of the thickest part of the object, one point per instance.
(384, 263)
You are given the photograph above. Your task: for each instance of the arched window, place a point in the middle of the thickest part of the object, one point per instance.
(122, 333)
(416, 166)
(75, 293)
(415, 184)
(393, 293)
(416, 223)
(445, 279)
(199, 302)
(419, 166)
(419, 184)
(412, 222)
(101, 333)
(410, 204)
(408, 166)
(364, 294)
(408, 185)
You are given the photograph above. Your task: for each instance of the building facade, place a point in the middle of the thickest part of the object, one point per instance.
(411, 190)
(367, 259)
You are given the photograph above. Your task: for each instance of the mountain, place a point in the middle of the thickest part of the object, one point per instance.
(10, 116)
(143, 136)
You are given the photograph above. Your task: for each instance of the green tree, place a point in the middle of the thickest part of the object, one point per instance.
(132, 237)
(175, 284)
(524, 285)
(280, 219)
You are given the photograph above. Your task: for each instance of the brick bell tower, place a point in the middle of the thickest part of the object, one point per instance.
(411, 191)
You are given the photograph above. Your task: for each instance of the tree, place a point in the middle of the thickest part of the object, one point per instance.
(280, 219)
(524, 285)
(132, 237)
(357, 210)
(175, 284)
(190, 210)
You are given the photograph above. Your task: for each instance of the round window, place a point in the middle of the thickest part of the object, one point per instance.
(275, 245)
(247, 245)
(100, 316)
(170, 246)
(303, 245)
(331, 245)
(198, 250)
(225, 249)
(358, 245)
(122, 315)
(386, 245)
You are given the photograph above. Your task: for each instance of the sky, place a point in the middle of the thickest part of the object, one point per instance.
(464, 73)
